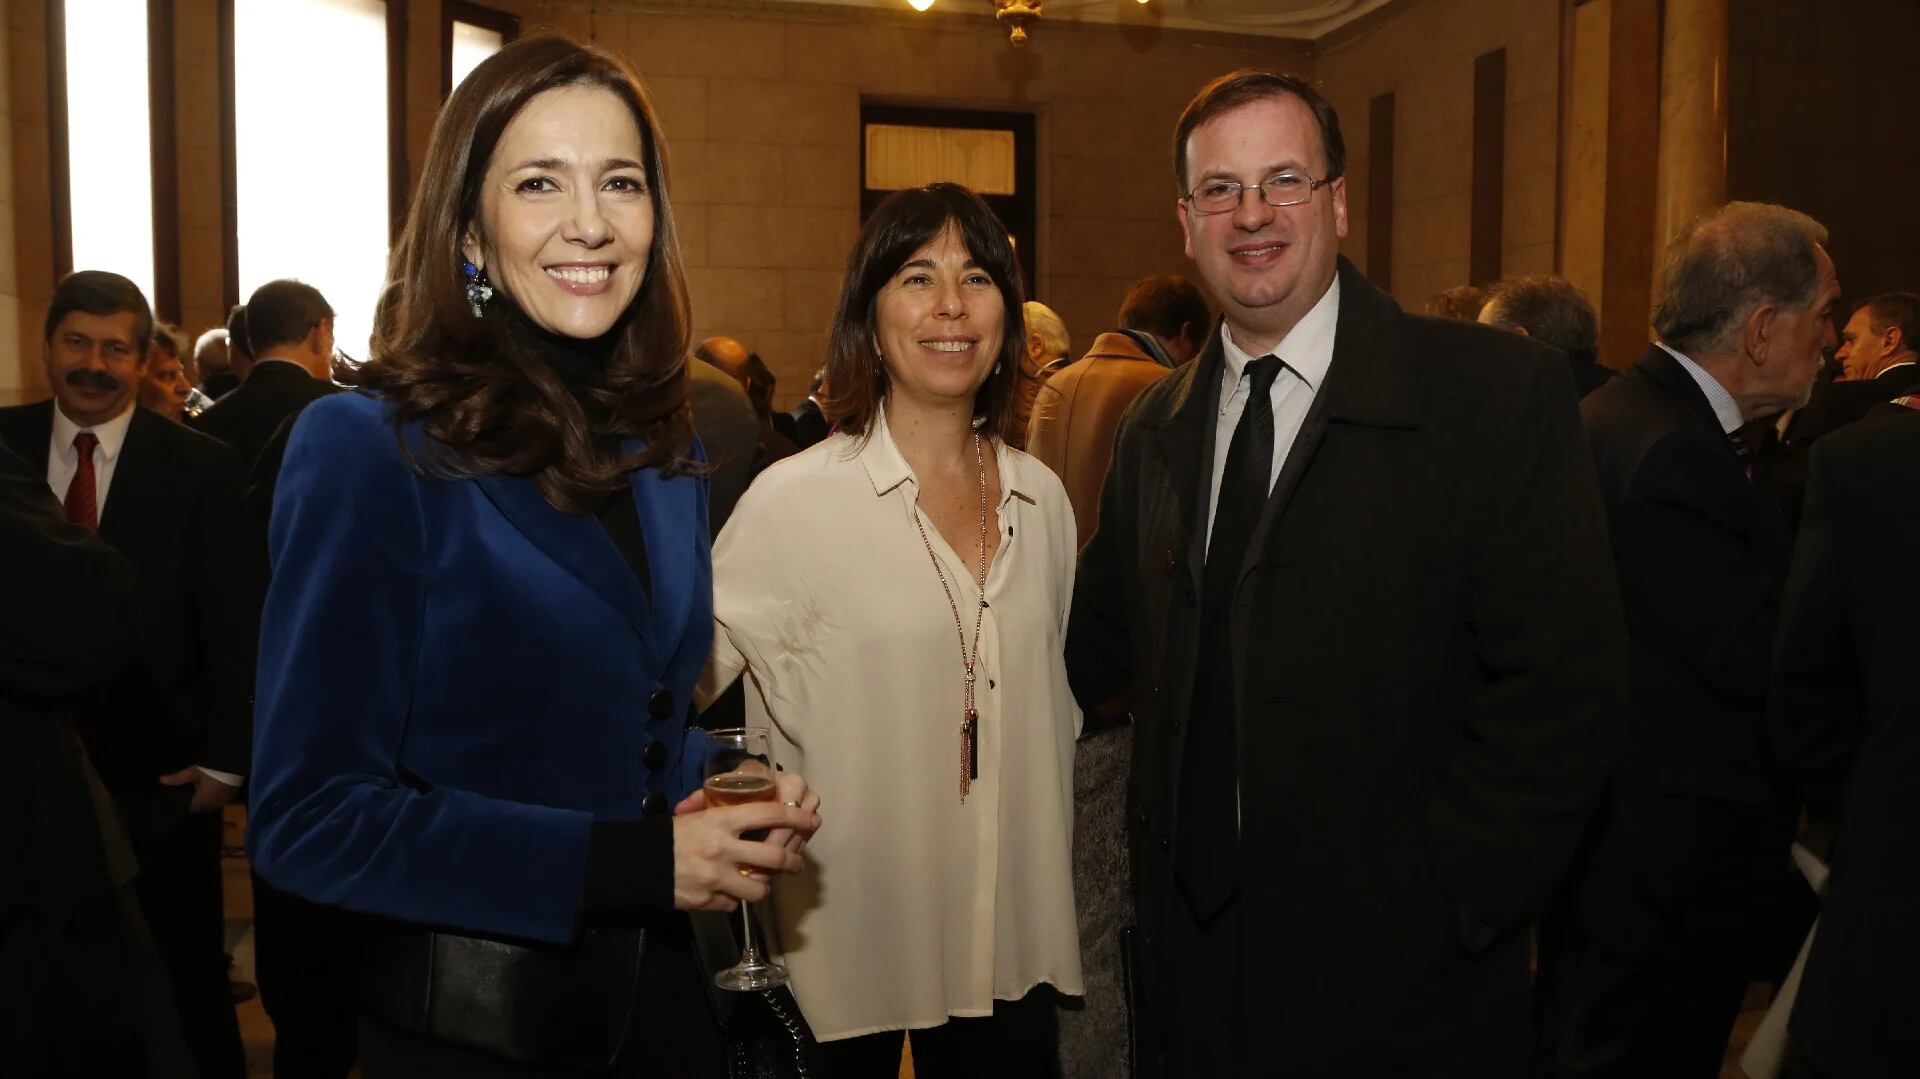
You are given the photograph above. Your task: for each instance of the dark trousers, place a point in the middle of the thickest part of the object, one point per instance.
(1020, 1040)
(306, 957)
(1602, 1013)
(179, 890)
(1202, 1028)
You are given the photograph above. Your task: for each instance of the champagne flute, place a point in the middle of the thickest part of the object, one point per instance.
(739, 770)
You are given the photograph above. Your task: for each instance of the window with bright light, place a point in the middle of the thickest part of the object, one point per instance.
(311, 152)
(469, 33)
(109, 139)
(471, 44)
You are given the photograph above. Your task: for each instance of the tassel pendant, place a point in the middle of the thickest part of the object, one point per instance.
(969, 752)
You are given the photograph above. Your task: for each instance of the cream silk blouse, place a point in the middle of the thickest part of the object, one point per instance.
(912, 907)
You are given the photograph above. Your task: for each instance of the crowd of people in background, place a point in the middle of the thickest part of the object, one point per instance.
(1285, 682)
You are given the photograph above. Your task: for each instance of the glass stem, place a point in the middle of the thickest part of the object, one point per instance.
(749, 955)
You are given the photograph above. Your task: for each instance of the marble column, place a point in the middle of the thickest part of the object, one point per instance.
(1693, 115)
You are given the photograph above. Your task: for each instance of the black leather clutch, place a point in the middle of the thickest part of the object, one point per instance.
(552, 1007)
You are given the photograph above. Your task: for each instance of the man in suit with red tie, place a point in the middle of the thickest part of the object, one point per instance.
(171, 735)
(1684, 891)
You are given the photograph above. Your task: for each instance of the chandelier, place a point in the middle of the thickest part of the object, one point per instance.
(1015, 15)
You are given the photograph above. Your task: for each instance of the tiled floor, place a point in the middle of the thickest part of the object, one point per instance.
(257, 1031)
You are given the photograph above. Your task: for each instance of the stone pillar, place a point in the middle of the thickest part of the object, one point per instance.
(1693, 115)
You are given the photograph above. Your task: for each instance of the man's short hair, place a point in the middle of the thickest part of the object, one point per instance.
(1901, 310)
(1163, 306)
(237, 333)
(1244, 87)
(1461, 302)
(283, 312)
(98, 292)
(1729, 262)
(1042, 320)
(1550, 309)
(171, 340)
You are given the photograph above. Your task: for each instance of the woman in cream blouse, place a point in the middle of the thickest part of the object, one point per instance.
(848, 588)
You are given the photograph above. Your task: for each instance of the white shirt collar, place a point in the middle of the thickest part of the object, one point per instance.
(1725, 408)
(1307, 349)
(887, 467)
(112, 434)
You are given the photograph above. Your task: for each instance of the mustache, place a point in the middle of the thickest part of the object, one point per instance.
(93, 380)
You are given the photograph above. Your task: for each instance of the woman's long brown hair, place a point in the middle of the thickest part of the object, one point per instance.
(487, 406)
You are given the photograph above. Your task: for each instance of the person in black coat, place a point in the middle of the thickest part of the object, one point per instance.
(290, 331)
(82, 990)
(171, 735)
(1845, 723)
(805, 423)
(1374, 681)
(1878, 362)
(1684, 891)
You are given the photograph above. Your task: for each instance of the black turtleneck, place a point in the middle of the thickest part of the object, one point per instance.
(576, 360)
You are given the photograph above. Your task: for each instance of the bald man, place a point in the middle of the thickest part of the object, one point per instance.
(210, 357)
(748, 369)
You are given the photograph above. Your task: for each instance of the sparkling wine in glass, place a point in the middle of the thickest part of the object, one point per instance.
(739, 770)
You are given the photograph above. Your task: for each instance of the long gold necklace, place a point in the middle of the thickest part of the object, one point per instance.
(969, 657)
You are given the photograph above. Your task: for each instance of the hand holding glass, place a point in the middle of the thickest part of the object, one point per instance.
(739, 770)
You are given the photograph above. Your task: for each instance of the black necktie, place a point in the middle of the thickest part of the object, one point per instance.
(1207, 828)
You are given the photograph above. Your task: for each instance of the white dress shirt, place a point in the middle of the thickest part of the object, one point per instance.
(63, 461)
(1725, 408)
(1307, 352)
(912, 907)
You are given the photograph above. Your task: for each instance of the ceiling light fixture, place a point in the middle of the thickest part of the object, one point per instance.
(1015, 15)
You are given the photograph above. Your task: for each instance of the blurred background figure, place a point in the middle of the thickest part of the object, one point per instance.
(167, 385)
(1552, 311)
(211, 362)
(1048, 348)
(1462, 302)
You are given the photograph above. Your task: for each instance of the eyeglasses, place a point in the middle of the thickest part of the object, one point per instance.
(1280, 189)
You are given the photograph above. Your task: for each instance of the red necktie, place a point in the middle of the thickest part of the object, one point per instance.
(82, 507)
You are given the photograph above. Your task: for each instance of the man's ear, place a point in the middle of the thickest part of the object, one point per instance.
(1758, 333)
(1895, 341)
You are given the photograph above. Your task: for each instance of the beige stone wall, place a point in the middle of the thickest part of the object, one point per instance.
(762, 113)
(26, 234)
(1423, 53)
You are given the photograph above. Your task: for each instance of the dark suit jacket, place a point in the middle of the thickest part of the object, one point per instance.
(1836, 404)
(730, 434)
(1833, 406)
(1846, 721)
(66, 1007)
(806, 424)
(174, 511)
(219, 384)
(1688, 857)
(247, 418)
(1588, 376)
(457, 680)
(1427, 639)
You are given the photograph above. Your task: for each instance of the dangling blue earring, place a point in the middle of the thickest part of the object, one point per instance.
(478, 291)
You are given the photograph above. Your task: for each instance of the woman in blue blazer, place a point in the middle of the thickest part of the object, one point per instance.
(491, 599)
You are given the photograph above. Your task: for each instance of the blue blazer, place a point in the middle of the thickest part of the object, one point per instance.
(456, 680)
